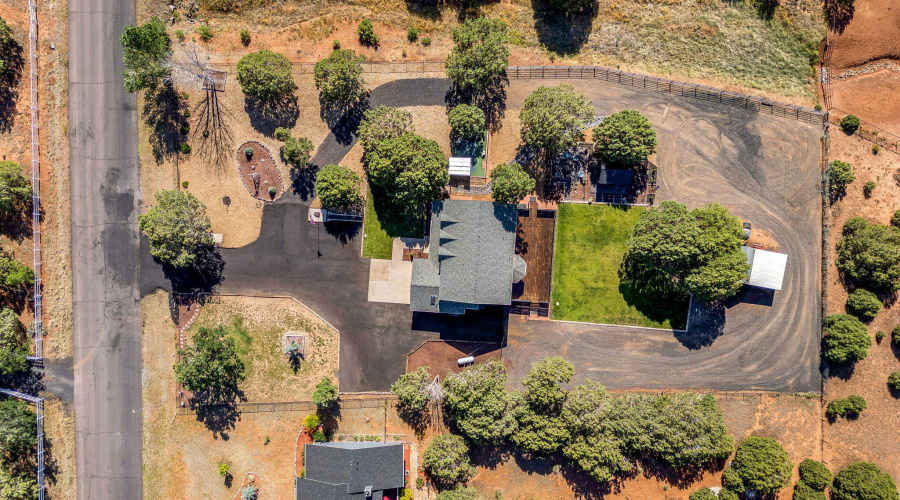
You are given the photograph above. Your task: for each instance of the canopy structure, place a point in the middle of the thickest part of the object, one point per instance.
(460, 166)
(766, 268)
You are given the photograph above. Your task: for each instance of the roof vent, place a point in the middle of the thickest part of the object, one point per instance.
(368, 492)
(433, 299)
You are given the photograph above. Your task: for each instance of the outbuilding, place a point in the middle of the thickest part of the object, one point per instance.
(766, 268)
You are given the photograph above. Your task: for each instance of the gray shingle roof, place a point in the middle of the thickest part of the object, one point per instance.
(470, 262)
(342, 471)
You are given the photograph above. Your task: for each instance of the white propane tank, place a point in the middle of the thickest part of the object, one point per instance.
(468, 360)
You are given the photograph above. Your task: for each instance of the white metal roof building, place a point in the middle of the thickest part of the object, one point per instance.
(766, 268)
(461, 166)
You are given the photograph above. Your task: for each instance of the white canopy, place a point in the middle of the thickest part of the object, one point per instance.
(766, 268)
(461, 166)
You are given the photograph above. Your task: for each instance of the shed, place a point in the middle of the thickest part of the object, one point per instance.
(766, 268)
(460, 166)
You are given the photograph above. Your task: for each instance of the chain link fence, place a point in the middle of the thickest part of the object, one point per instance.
(35, 186)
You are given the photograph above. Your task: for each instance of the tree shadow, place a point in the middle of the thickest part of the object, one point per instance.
(395, 221)
(295, 360)
(343, 119)
(707, 323)
(303, 181)
(343, 232)
(426, 9)
(201, 278)
(563, 34)
(842, 371)
(839, 14)
(28, 382)
(217, 409)
(9, 85)
(586, 487)
(266, 116)
(211, 133)
(163, 113)
(229, 479)
(330, 418)
(652, 293)
(680, 478)
(17, 225)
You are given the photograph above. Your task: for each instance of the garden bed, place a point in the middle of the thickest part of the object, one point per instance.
(259, 172)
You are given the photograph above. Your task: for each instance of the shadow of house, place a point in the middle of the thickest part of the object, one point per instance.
(563, 34)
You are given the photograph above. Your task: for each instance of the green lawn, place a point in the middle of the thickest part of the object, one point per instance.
(590, 247)
(377, 243)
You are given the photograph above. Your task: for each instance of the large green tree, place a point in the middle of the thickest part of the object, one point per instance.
(13, 343)
(869, 254)
(541, 430)
(761, 464)
(339, 77)
(146, 50)
(412, 391)
(18, 433)
(382, 123)
(510, 183)
(412, 170)
(466, 121)
(700, 249)
(626, 137)
(15, 189)
(847, 340)
(211, 363)
(7, 45)
(265, 75)
(553, 118)
(840, 174)
(177, 226)
(593, 446)
(447, 460)
(863, 481)
(15, 277)
(478, 404)
(337, 187)
(480, 57)
(17, 485)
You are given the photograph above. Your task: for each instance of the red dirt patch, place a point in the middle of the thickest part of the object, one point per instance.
(872, 97)
(441, 356)
(873, 33)
(259, 172)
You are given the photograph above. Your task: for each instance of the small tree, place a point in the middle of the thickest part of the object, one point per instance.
(146, 53)
(762, 465)
(15, 277)
(296, 151)
(466, 122)
(337, 187)
(480, 57)
(849, 124)
(541, 430)
(311, 422)
(245, 37)
(382, 123)
(863, 304)
(412, 34)
(815, 474)
(840, 174)
(847, 340)
(626, 137)
(869, 255)
(895, 336)
(477, 402)
(7, 44)
(593, 446)
(18, 431)
(803, 491)
(447, 460)
(510, 183)
(13, 343)
(339, 77)
(894, 381)
(366, 33)
(868, 188)
(265, 75)
(282, 133)
(412, 390)
(703, 494)
(553, 117)
(863, 481)
(176, 227)
(15, 190)
(326, 393)
(211, 363)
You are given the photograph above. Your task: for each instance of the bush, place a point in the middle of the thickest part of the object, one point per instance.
(223, 470)
(265, 75)
(14, 343)
(849, 124)
(179, 34)
(510, 183)
(863, 481)
(894, 381)
(704, 494)
(466, 122)
(366, 33)
(15, 189)
(326, 393)
(815, 474)
(840, 174)
(412, 34)
(848, 407)
(847, 340)
(541, 429)
(869, 254)
(296, 151)
(426, 41)
(447, 460)
(337, 187)
(184, 184)
(480, 56)
(863, 304)
(803, 491)
(250, 493)
(205, 32)
(282, 134)
(245, 37)
(185, 148)
(248, 152)
(763, 465)
(272, 190)
(382, 123)
(336, 45)
(339, 77)
(176, 227)
(411, 390)
(868, 188)
(420, 483)
(319, 437)
(626, 137)
(459, 493)
(875, 149)
(895, 219)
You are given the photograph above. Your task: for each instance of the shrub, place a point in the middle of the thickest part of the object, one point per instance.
(847, 340)
(179, 34)
(895, 336)
(840, 174)
(205, 134)
(626, 137)
(339, 77)
(326, 393)
(894, 381)
(319, 437)
(803, 491)
(848, 407)
(763, 465)
(245, 37)
(250, 493)
(406, 494)
(815, 474)
(223, 470)
(205, 32)
(248, 151)
(185, 148)
(863, 304)
(272, 190)
(856, 404)
(382, 123)
(459, 493)
(875, 149)
(187, 113)
(267, 440)
(466, 122)
(704, 494)
(510, 183)
(420, 483)
(265, 75)
(366, 33)
(337, 187)
(296, 151)
(412, 34)
(863, 481)
(282, 134)
(15, 189)
(176, 227)
(184, 184)
(411, 390)
(447, 460)
(895, 219)
(869, 254)
(14, 345)
(879, 336)
(868, 188)
(426, 41)
(849, 124)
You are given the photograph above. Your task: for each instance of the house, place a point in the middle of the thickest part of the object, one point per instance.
(352, 471)
(766, 268)
(472, 258)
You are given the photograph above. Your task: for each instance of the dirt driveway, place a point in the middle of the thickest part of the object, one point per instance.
(765, 170)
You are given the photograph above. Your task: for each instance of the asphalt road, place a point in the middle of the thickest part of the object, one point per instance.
(105, 193)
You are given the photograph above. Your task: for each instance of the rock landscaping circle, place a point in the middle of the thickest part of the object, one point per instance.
(259, 172)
